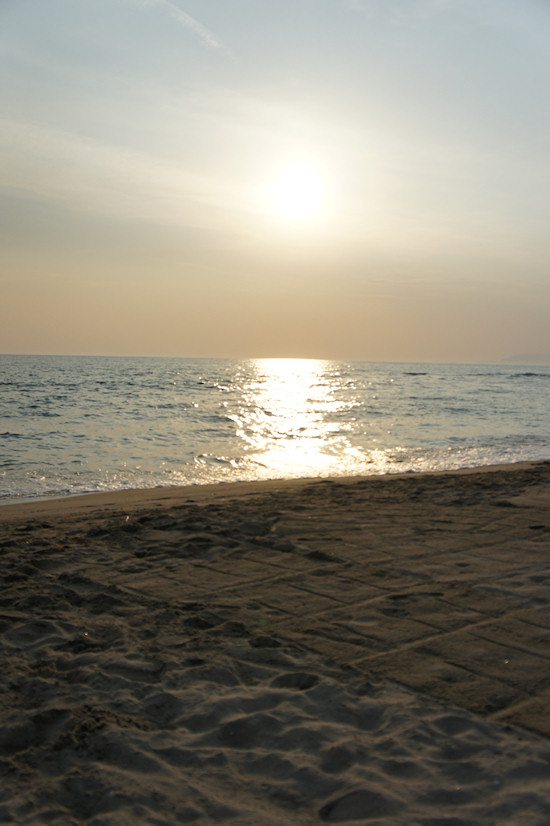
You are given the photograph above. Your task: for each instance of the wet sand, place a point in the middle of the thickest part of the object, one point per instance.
(346, 651)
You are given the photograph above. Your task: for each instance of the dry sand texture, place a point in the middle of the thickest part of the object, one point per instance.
(344, 651)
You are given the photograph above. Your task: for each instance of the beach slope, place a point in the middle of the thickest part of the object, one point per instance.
(370, 650)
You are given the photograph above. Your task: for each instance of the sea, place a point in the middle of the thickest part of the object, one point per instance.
(77, 424)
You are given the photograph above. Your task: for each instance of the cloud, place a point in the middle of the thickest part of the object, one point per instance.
(204, 34)
(63, 168)
(194, 25)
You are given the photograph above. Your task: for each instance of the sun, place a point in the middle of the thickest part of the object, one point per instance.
(297, 191)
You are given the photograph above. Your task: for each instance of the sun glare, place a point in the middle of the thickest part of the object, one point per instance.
(297, 192)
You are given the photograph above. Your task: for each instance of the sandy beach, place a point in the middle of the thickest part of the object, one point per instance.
(371, 650)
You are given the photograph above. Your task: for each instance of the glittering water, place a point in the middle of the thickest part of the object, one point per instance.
(75, 424)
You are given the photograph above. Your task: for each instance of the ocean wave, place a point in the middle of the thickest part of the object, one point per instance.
(172, 421)
(530, 375)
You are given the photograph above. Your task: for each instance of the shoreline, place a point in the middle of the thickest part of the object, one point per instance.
(372, 649)
(135, 498)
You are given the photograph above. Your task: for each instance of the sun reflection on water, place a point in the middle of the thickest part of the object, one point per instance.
(285, 418)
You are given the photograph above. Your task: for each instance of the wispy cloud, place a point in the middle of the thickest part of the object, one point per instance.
(204, 34)
(97, 177)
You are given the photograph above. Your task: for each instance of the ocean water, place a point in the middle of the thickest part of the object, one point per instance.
(78, 424)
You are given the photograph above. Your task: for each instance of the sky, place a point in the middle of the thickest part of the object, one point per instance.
(339, 179)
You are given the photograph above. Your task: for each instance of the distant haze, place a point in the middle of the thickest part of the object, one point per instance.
(357, 179)
(528, 358)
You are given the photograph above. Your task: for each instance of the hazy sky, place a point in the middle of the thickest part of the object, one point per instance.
(357, 179)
